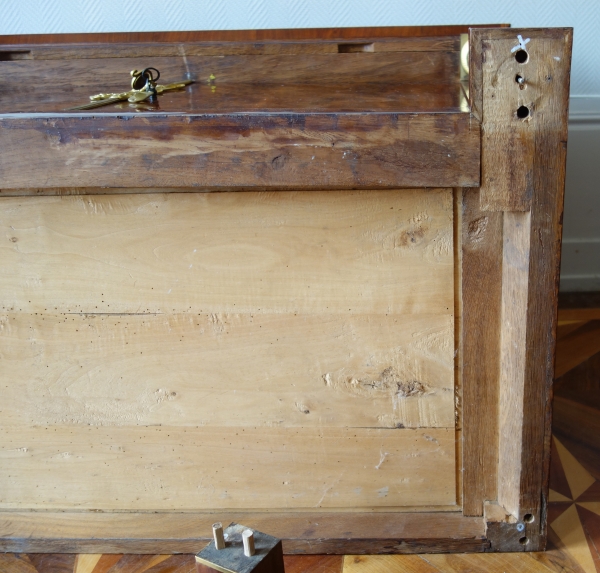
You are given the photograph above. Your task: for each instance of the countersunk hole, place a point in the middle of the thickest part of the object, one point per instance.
(523, 112)
(528, 518)
(521, 56)
(524, 541)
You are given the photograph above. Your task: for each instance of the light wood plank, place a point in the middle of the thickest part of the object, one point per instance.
(325, 252)
(513, 332)
(171, 468)
(189, 370)
(86, 562)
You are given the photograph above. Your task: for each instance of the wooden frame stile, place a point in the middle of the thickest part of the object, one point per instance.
(506, 258)
(519, 90)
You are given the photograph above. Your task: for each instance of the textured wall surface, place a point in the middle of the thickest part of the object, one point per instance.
(52, 16)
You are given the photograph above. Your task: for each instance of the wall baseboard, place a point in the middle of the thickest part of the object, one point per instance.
(580, 269)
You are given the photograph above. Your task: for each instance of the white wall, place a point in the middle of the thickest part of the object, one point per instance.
(581, 251)
(51, 16)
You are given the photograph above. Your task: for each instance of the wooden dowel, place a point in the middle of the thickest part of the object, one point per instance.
(218, 535)
(248, 539)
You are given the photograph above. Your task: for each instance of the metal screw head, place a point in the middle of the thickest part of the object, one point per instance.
(520, 527)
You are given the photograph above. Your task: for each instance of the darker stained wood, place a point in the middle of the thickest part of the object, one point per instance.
(481, 300)
(371, 82)
(234, 99)
(549, 165)
(53, 562)
(322, 151)
(548, 130)
(313, 563)
(379, 546)
(111, 50)
(246, 35)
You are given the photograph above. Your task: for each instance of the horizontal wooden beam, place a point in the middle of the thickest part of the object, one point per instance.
(302, 532)
(286, 150)
(281, 34)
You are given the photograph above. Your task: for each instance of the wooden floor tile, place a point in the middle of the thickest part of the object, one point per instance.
(578, 477)
(15, 563)
(106, 563)
(313, 563)
(570, 530)
(556, 558)
(175, 564)
(53, 562)
(86, 562)
(387, 564)
(577, 347)
(591, 526)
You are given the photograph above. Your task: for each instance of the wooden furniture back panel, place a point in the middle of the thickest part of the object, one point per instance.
(229, 350)
(383, 372)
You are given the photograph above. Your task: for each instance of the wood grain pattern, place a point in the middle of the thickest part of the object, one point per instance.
(481, 240)
(325, 70)
(105, 467)
(383, 252)
(261, 280)
(188, 532)
(179, 370)
(18, 52)
(515, 290)
(275, 34)
(547, 127)
(290, 150)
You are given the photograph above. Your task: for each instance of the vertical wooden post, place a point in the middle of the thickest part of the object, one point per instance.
(519, 88)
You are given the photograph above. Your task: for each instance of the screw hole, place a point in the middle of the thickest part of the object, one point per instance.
(524, 540)
(528, 518)
(521, 56)
(523, 112)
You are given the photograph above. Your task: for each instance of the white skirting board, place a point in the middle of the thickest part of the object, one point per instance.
(580, 269)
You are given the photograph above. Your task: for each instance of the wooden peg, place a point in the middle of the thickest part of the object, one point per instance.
(218, 535)
(248, 540)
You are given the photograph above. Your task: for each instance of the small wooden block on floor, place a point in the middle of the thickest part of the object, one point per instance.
(239, 549)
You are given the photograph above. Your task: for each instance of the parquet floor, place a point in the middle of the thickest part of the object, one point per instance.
(574, 503)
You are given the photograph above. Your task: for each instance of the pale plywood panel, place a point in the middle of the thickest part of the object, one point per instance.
(168, 468)
(188, 370)
(299, 252)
